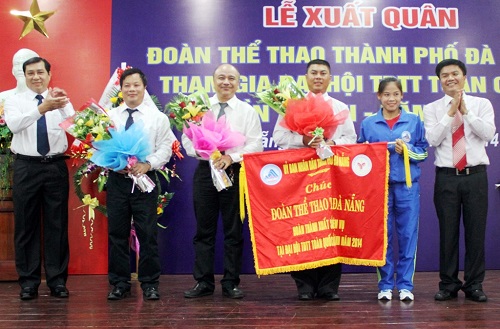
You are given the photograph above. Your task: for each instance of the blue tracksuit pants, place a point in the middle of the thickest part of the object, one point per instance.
(402, 219)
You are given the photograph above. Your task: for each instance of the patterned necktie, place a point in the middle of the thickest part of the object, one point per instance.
(221, 111)
(42, 138)
(130, 119)
(458, 141)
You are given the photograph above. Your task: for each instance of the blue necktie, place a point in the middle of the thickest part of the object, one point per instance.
(42, 138)
(130, 119)
(222, 110)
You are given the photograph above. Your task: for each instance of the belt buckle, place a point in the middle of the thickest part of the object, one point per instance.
(45, 159)
(462, 174)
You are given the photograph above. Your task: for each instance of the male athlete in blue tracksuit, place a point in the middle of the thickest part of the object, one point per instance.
(404, 202)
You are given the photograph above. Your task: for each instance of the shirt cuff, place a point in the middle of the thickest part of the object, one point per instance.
(236, 157)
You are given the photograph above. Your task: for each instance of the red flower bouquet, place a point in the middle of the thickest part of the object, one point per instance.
(313, 116)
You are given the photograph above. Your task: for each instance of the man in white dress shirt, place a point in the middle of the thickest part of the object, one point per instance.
(322, 282)
(460, 191)
(123, 204)
(208, 203)
(41, 185)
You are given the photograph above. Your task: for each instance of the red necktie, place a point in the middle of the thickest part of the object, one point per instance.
(458, 141)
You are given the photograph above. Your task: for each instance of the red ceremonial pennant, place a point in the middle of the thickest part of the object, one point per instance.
(305, 212)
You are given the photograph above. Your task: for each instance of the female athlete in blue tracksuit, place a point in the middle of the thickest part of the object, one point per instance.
(392, 124)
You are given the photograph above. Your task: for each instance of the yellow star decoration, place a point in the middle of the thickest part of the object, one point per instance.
(33, 19)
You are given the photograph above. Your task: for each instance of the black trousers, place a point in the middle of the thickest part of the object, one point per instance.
(122, 205)
(208, 203)
(40, 190)
(463, 196)
(321, 280)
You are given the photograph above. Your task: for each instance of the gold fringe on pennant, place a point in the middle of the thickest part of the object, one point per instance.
(243, 190)
(243, 182)
(406, 160)
(386, 207)
(319, 263)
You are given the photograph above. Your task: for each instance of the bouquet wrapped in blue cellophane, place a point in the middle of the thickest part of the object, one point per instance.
(124, 149)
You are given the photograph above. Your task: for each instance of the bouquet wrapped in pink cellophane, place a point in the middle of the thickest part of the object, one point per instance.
(313, 116)
(211, 137)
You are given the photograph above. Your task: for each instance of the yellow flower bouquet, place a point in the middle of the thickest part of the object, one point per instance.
(278, 96)
(182, 109)
(90, 123)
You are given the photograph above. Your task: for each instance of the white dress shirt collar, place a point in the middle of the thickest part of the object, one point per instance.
(231, 103)
(31, 94)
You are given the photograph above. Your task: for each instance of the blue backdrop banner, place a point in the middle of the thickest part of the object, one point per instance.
(178, 44)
